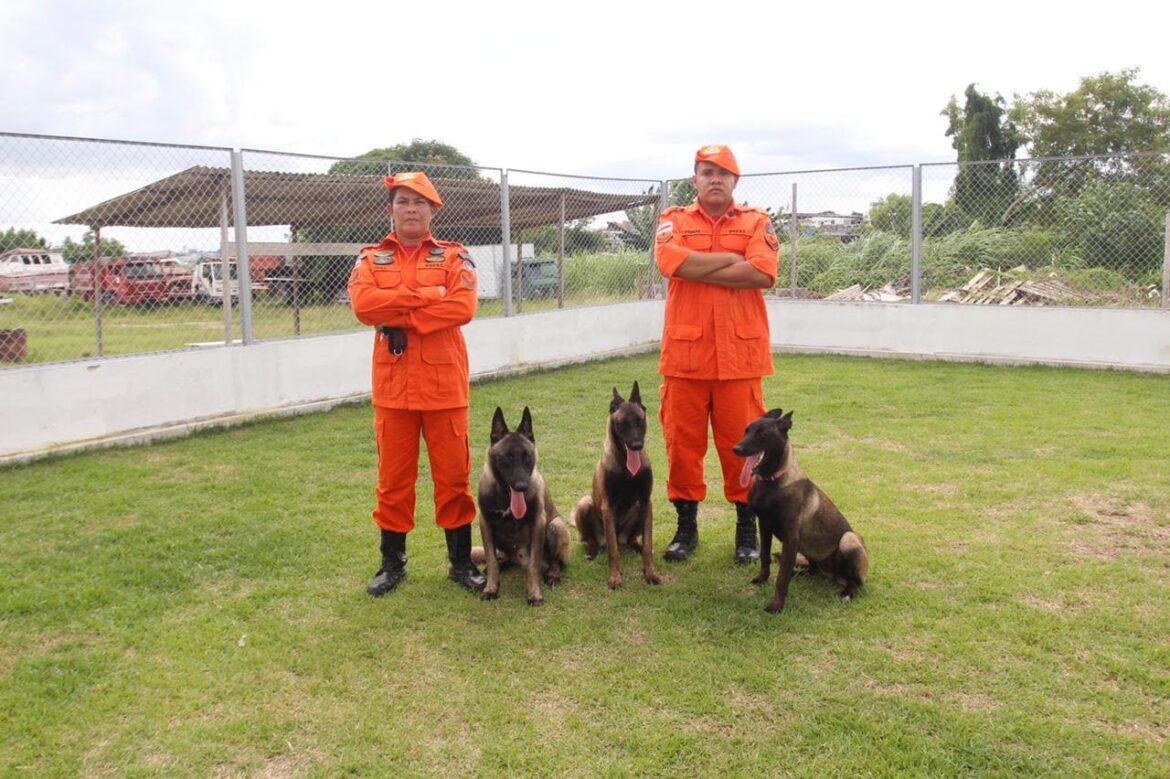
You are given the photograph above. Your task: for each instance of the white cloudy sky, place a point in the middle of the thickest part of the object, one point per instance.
(600, 87)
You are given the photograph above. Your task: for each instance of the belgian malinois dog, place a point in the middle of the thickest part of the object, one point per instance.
(517, 518)
(619, 511)
(793, 509)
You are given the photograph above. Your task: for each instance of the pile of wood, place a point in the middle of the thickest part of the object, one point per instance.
(985, 288)
(890, 293)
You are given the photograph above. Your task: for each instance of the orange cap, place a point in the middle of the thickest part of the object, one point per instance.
(417, 181)
(719, 155)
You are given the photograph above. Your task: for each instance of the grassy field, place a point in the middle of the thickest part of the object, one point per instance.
(198, 606)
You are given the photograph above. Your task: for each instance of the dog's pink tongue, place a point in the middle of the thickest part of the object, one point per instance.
(517, 505)
(749, 465)
(633, 461)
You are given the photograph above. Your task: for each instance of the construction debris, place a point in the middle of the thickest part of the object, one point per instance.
(984, 289)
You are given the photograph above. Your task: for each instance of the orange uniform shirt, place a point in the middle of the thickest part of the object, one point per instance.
(714, 332)
(399, 287)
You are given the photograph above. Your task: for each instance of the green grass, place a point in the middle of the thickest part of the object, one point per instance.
(198, 606)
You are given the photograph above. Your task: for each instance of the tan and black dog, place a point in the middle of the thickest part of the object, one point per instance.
(797, 512)
(517, 518)
(619, 510)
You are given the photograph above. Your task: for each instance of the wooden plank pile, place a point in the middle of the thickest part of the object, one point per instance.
(984, 288)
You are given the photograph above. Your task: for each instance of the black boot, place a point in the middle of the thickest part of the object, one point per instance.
(462, 571)
(747, 544)
(393, 569)
(686, 537)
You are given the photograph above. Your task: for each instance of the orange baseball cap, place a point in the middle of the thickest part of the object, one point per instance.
(417, 181)
(719, 155)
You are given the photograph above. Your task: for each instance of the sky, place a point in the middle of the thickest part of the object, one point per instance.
(602, 88)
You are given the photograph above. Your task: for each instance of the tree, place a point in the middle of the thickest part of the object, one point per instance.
(1107, 114)
(73, 251)
(642, 222)
(891, 214)
(986, 140)
(431, 157)
(21, 239)
(682, 192)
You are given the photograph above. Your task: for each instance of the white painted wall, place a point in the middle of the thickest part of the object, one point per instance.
(1135, 339)
(67, 406)
(60, 407)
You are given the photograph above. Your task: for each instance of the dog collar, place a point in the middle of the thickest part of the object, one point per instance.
(775, 477)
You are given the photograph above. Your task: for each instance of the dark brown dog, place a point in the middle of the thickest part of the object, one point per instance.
(794, 510)
(517, 518)
(619, 510)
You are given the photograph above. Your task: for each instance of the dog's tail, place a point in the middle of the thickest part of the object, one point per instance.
(582, 517)
(853, 550)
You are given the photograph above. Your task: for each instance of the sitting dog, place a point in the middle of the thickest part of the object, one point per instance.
(517, 518)
(794, 510)
(619, 511)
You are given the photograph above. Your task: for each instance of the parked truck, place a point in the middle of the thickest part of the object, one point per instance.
(120, 281)
(207, 282)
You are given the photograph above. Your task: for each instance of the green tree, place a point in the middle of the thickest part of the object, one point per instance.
(21, 239)
(1107, 114)
(430, 156)
(73, 251)
(638, 233)
(682, 192)
(986, 140)
(891, 214)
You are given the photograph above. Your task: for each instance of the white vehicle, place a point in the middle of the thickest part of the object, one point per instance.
(33, 271)
(207, 282)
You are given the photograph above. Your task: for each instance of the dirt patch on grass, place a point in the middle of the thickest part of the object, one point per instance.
(1112, 527)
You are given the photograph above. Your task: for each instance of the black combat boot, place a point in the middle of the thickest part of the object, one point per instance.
(393, 569)
(747, 545)
(686, 537)
(462, 571)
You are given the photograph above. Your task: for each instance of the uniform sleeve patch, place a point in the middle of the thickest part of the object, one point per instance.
(468, 279)
(770, 235)
(664, 232)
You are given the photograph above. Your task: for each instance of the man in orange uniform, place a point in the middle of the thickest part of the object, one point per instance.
(718, 258)
(417, 291)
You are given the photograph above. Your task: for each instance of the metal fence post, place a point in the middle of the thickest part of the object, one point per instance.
(243, 267)
(561, 257)
(225, 266)
(97, 290)
(663, 204)
(1166, 264)
(505, 244)
(916, 235)
(793, 234)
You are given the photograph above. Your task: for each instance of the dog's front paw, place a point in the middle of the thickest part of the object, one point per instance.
(761, 578)
(552, 579)
(653, 578)
(774, 607)
(845, 595)
(489, 594)
(535, 600)
(615, 582)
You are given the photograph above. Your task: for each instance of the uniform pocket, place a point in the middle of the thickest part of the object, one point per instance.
(431, 277)
(436, 348)
(387, 277)
(682, 346)
(700, 242)
(733, 242)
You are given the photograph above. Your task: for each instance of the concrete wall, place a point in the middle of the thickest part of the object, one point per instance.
(70, 406)
(1134, 339)
(63, 407)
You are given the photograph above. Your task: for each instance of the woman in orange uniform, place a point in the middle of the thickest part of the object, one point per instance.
(418, 291)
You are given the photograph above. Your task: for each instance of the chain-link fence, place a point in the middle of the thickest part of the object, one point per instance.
(112, 248)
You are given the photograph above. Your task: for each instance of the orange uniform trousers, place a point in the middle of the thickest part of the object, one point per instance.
(449, 451)
(688, 406)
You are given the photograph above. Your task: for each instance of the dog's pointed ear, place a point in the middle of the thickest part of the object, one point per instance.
(775, 413)
(525, 428)
(617, 401)
(636, 396)
(499, 426)
(786, 421)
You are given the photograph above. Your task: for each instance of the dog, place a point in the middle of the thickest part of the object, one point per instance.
(619, 510)
(794, 510)
(517, 518)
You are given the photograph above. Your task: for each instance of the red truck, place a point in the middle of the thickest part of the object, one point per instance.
(123, 281)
